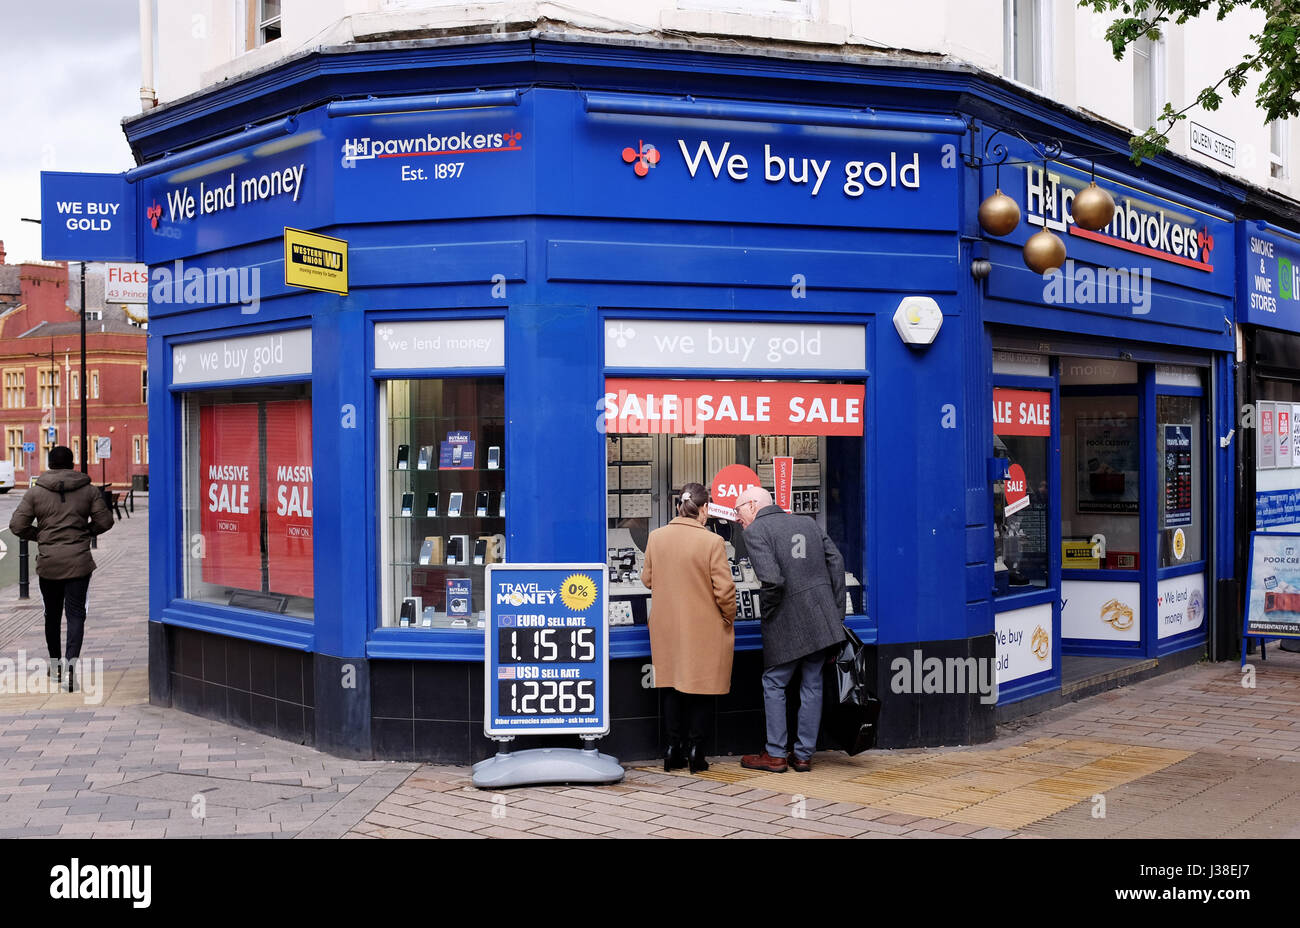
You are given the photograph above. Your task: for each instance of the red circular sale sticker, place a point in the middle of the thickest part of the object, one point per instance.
(1016, 492)
(730, 482)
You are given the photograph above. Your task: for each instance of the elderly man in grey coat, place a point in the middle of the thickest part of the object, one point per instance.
(802, 606)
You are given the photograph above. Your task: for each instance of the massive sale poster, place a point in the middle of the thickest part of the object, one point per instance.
(289, 497)
(230, 496)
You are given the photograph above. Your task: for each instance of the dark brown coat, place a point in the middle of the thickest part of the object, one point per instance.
(67, 511)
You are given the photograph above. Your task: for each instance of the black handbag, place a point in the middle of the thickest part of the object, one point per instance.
(850, 711)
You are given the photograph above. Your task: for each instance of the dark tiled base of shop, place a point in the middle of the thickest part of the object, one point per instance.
(257, 686)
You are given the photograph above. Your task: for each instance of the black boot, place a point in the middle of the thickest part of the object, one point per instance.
(56, 674)
(71, 677)
(696, 757)
(675, 758)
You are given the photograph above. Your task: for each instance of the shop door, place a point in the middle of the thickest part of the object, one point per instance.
(1102, 508)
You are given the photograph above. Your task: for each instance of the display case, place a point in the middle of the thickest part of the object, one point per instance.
(442, 503)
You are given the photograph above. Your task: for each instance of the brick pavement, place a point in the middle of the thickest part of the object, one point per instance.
(1189, 754)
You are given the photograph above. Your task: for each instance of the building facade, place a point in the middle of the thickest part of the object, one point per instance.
(582, 272)
(40, 353)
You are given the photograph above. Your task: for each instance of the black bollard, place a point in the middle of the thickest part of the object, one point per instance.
(22, 570)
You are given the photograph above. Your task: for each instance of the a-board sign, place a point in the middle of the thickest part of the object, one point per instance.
(546, 650)
(1273, 590)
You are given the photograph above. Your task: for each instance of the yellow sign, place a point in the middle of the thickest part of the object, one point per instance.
(578, 592)
(1077, 555)
(317, 262)
(1180, 544)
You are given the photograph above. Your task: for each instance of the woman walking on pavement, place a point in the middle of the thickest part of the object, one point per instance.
(692, 638)
(67, 511)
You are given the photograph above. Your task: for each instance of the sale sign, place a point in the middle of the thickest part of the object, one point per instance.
(1022, 412)
(289, 497)
(1017, 493)
(230, 500)
(678, 407)
(783, 477)
(727, 486)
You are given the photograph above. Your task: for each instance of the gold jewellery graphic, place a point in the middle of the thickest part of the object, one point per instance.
(1117, 615)
(1040, 644)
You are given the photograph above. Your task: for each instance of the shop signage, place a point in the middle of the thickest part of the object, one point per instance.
(546, 650)
(1180, 604)
(243, 357)
(1023, 642)
(677, 344)
(1099, 609)
(87, 217)
(126, 283)
(1277, 507)
(1269, 281)
(783, 479)
(436, 344)
(1207, 142)
(1273, 595)
(1017, 494)
(314, 261)
(1022, 412)
(1267, 437)
(679, 407)
(289, 497)
(1079, 554)
(230, 495)
(1106, 465)
(1161, 230)
(1178, 475)
(1177, 375)
(1021, 364)
(726, 488)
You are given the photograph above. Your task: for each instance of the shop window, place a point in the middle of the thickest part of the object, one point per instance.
(1022, 432)
(15, 389)
(248, 498)
(727, 435)
(1179, 469)
(443, 504)
(14, 443)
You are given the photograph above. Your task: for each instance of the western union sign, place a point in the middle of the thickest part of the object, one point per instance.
(317, 262)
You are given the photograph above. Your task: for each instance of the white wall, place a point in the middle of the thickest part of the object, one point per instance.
(201, 42)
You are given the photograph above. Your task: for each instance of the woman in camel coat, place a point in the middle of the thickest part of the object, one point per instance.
(692, 639)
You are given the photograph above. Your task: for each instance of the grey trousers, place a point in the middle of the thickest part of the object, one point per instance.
(775, 680)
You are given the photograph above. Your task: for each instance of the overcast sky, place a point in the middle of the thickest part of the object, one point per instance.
(71, 72)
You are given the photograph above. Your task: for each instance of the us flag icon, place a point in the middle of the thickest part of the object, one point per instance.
(506, 673)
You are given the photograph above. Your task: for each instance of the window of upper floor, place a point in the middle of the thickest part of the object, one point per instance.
(1027, 42)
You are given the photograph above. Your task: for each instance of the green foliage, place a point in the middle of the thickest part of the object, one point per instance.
(1275, 55)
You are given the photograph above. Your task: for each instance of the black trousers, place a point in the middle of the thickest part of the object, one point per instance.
(61, 595)
(686, 715)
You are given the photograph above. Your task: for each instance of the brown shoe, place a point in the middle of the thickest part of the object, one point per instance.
(764, 761)
(803, 766)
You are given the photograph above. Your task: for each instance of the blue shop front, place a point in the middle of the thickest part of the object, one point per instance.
(1268, 313)
(1112, 382)
(580, 295)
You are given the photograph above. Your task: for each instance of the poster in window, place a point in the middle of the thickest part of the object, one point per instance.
(1273, 594)
(229, 484)
(1267, 437)
(1178, 475)
(1107, 454)
(289, 497)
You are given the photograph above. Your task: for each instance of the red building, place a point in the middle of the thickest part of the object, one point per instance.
(40, 367)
